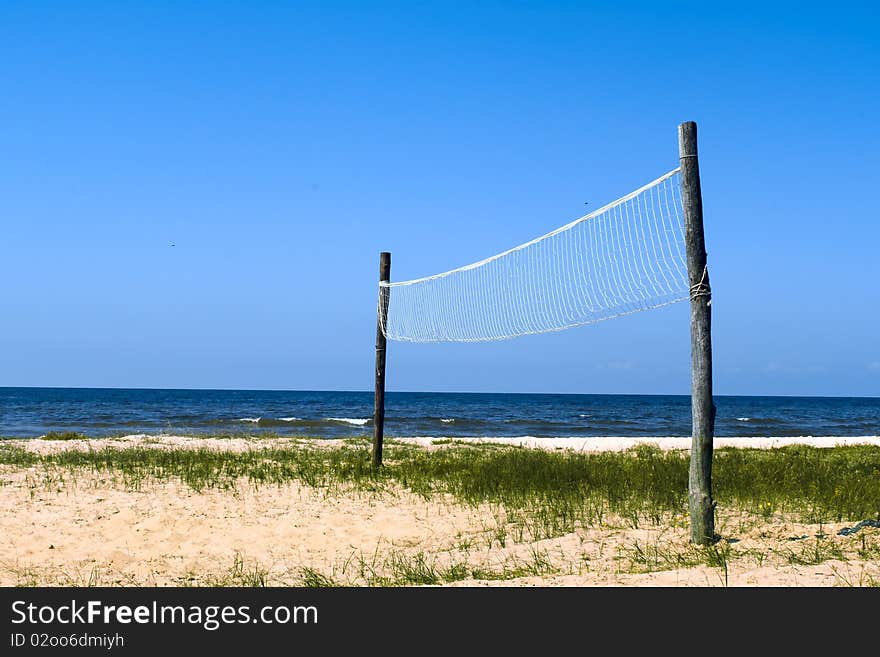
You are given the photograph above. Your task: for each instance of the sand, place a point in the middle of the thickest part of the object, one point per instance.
(92, 530)
(596, 444)
(616, 444)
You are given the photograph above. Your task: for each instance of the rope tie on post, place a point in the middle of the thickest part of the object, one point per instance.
(702, 288)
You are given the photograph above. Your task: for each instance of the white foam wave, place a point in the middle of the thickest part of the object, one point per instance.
(249, 419)
(288, 419)
(350, 420)
(447, 420)
(744, 419)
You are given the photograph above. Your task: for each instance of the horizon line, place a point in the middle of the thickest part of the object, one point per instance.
(437, 392)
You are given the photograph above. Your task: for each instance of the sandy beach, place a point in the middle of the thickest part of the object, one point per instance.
(593, 444)
(90, 528)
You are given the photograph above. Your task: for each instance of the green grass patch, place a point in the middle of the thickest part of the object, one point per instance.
(542, 493)
(65, 435)
(655, 555)
(313, 578)
(239, 574)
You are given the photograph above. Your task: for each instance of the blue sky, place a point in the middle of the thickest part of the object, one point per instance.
(280, 146)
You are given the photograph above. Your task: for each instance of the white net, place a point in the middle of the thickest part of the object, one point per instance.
(625, 257)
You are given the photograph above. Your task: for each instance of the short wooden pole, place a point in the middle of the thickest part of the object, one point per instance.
(381, 318)
(701, 504)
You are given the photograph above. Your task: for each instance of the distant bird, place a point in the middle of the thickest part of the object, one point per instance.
(172, 245)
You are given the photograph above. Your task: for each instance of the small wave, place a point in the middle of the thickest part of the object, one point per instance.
(349, 420)
(447, 420)
(761, 420)
(585, 415)
(269, 421)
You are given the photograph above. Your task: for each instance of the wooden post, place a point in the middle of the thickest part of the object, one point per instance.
(702, 507)
(379, 400)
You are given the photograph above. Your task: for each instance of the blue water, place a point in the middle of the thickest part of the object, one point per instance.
(31, 412)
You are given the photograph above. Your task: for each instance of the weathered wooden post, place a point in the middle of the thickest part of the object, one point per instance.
(702, 506)
(381, 317)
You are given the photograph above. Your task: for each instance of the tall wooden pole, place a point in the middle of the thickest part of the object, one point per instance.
(702, 506)
(379, 400)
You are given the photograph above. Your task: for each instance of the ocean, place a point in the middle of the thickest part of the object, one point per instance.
(32, 412)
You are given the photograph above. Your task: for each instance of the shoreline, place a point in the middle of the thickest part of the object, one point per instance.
(620, 443)
(578, 444)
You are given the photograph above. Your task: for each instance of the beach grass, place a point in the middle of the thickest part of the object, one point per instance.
(65, 435)
(539, 493)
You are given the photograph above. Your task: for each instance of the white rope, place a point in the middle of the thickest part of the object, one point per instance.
(625, 257)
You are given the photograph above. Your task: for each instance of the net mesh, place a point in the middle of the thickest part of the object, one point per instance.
(625, 257)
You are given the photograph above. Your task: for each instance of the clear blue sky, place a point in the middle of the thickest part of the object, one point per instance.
(281, 145)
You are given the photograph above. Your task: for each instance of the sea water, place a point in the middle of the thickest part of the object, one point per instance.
(31, 412)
